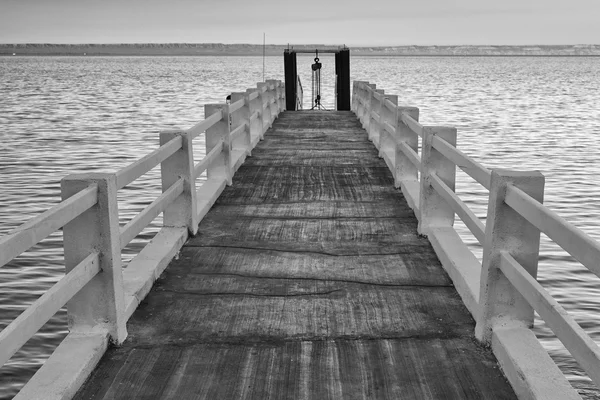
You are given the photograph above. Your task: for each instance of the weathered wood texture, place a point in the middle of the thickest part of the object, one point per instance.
(306, 280)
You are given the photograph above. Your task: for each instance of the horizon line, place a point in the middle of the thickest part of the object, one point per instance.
(290, 44)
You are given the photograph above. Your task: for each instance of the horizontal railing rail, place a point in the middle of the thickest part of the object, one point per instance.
(37, 229)
(99, 304)
(132, 172)
(502, 291)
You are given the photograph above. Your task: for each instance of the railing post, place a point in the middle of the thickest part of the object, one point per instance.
(282, 97)
(353, 102)
(182, 212)
(356, 90)
(405, 169)
(387, 141)
(215, 135)
(370, 90)
(434, 211)
(276, 92)
(242, 116)
(257, 125)
(360, 100)
(101, 302)
(374, 128)
(507, 231)
(263, 92)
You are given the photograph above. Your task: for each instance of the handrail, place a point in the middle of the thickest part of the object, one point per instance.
(460, 208)
(438, 204)
(237, 132)
(464, 162)
(133, 171)
(415, 126)
(572, 239)
(208, 159)
(575, 339)
(38, 228)
(71, 212)
(147, 215)
(201, 127)
(412, 156)
(20, 330)
(236, 106)
(390, 106)
(389, 128)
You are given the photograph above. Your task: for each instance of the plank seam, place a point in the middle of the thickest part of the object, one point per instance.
(308, 251)
(325, 280)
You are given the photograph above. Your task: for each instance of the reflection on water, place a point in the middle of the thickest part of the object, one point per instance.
(63, 115)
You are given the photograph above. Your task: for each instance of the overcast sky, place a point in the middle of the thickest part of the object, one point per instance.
(350, 22)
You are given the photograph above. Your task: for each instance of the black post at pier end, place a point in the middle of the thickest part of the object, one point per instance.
(342, 72)
(291, 76)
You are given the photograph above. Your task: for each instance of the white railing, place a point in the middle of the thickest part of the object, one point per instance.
(100, 295)
(502, 292)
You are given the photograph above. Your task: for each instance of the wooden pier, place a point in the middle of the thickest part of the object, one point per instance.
(308, 255)
(306, 280)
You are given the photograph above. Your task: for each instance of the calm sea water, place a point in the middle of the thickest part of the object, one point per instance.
(62, 115)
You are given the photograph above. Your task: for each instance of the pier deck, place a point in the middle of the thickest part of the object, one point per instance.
(306, 280)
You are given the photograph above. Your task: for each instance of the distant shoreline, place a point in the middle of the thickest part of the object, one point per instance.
(217, 49)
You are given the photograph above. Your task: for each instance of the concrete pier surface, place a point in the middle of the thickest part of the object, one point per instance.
(306, 280)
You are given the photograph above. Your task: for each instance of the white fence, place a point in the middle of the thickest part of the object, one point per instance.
(100, 295)
(501, 292)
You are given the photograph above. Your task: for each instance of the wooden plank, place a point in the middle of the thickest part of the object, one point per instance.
(352, 236)
(313, 157)
(300, 183)
(388, 270)
(329, 369)
(315, 209)
(233, 309)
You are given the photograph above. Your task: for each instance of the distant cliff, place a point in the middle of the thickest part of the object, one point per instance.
(188, 49)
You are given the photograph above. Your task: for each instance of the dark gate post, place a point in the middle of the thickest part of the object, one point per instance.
(291, 78)
(342, 71)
